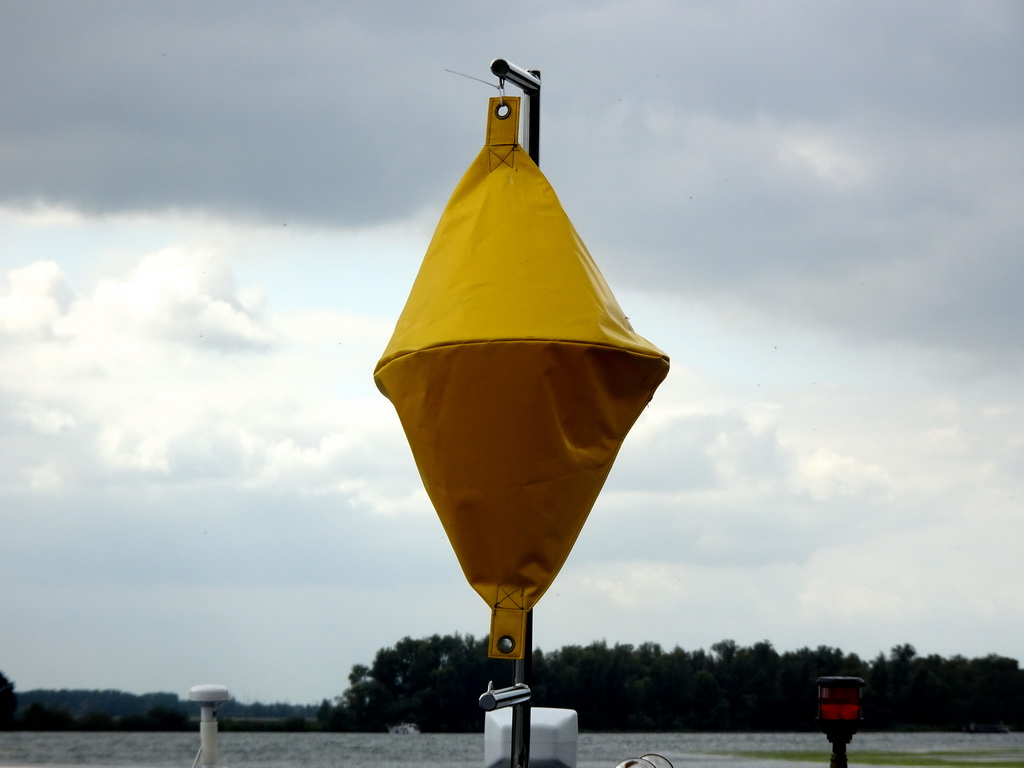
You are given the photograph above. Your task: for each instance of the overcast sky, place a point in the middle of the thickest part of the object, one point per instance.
(210, 218)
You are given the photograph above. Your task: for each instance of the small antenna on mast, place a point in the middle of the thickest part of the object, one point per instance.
(460, 74)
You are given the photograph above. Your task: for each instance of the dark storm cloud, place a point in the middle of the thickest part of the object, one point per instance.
(837, 164)
(336, 112)
(270, 110)
(851, 167)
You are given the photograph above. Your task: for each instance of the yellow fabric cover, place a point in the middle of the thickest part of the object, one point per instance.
(516, 376)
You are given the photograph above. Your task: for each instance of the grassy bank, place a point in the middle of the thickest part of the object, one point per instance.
(991, 758)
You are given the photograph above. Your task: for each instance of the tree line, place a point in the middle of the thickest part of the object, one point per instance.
(109, 710)
(436, 681)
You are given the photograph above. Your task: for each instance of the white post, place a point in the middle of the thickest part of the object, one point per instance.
(208, 696)
(208, 734)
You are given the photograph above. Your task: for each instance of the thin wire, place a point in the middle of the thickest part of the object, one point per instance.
(460, 74)
(197, 756)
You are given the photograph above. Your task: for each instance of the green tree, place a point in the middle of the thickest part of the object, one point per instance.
(878, 694)
(323, 713)
(998, 694)
(434, 682)
(712, 705)
(8, 702)
(157, 719)
(96, 721)
(39, 717)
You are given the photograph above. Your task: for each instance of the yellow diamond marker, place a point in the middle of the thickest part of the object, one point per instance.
(516, 377)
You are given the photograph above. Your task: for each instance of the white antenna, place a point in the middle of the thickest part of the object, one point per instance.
(208, 696)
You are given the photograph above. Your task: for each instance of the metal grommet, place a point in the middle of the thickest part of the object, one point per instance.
(505, 643)
(502, 111)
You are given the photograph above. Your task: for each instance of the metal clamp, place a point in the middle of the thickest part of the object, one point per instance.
(500, 698)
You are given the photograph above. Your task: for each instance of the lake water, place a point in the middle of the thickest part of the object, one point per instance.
(371, 750)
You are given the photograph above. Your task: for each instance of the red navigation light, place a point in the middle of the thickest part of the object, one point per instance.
(839, 698)
(839, 713)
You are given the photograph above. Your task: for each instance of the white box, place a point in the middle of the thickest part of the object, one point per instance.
(554, 734)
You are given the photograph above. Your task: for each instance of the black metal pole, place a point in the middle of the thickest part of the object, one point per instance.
(529, 81)
(522, 672)
(838, 757)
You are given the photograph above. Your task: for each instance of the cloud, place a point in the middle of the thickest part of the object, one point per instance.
(824, 474)
(182, 296)
(172, 372)
(36, 296)
(270, 114)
